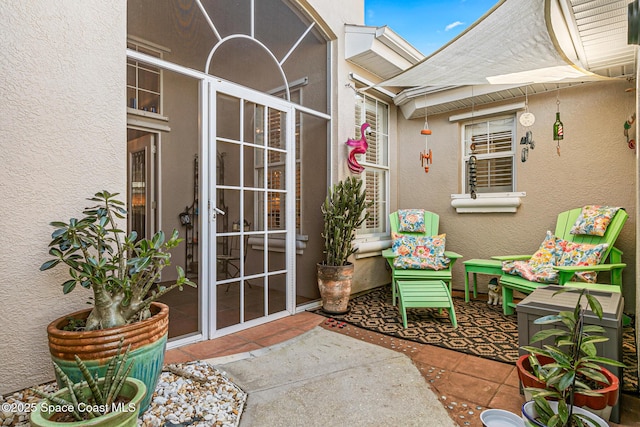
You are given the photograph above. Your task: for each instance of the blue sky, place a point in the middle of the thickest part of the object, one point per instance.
(426, 24)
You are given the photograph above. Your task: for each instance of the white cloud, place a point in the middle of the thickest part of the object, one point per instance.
(453, 25)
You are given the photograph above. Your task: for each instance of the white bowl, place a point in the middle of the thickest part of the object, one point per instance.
(500, 418)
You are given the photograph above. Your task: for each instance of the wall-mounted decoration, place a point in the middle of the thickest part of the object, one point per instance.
(426, 157)
(558, 127)
(631, 143)
(527, 119)
(359, 147)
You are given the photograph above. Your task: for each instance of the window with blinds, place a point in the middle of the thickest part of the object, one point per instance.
(375, 161)
(493, 144)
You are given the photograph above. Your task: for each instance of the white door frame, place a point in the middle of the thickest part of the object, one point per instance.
(209, 91)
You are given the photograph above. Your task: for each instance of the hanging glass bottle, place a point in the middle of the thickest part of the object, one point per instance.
(558, 131)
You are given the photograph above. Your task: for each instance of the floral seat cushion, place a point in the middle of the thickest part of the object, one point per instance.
(557, 252)
(593, 220)
(419, 252)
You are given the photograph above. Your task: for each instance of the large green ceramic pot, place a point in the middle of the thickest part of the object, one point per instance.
(125, 415)
(148, 340)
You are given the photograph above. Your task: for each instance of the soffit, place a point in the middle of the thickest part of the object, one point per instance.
(379, 50)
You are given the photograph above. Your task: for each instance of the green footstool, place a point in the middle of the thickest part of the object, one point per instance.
(424, 294)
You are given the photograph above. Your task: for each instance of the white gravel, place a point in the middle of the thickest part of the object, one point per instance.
(188, 394)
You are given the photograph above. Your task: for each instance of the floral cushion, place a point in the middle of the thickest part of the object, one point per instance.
(571, 253)
(593, 220)
(546, 253)
(541, 273)
(411, 221)
(419, 252)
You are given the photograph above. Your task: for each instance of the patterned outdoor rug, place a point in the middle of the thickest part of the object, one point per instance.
(482, 329)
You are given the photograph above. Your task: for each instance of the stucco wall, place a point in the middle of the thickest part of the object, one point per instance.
(63, 137)
(595, 167)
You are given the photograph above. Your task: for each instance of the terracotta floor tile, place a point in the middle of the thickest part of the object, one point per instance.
(507, 398)
(484, 368)
(437, 356)
(228, 344)
(513, 380)
(262, 331)
(465, 387)
(176, 356)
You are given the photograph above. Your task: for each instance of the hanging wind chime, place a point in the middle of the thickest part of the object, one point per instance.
(473, 160)
(426, 157)
(527, 119)
(558, 128)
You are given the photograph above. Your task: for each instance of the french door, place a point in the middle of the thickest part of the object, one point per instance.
(249, 141)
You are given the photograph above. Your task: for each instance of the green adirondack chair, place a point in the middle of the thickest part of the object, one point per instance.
(564, 224)
(432, 221)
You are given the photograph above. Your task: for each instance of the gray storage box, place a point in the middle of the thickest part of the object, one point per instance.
(542, 302)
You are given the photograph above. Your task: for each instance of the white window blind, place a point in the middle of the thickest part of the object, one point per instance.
(492, 142)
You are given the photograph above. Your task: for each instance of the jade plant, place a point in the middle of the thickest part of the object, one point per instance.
(344, 211)
(92, 397)
(576, 367)
(121, 270)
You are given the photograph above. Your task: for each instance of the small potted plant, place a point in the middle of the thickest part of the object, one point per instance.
(567, 376)
(344, 211)
(122, 273)
(110, 401)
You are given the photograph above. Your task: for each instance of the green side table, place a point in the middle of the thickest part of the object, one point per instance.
(482, 266)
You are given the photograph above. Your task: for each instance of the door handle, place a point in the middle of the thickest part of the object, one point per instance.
(215, 212)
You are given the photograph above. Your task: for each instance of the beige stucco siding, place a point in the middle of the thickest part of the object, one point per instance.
(62, 133)
(595, 167)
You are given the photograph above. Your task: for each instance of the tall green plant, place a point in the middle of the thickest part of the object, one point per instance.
(344, 211)
(102, 396)
(575, 362)
(121, 270)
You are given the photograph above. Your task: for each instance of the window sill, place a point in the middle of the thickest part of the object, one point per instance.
(277, 244)
(367, 249)
(487, 203)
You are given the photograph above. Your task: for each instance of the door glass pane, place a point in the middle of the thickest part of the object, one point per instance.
(228, 163)
(277, 293)
(228, 304)
(254, 297)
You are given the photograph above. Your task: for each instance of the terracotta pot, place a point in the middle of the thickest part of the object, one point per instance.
(125, 415)
(334, 282)
(599, 405)
(529, 415)
(148, 341)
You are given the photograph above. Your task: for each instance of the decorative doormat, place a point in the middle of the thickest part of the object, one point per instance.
(482, 329)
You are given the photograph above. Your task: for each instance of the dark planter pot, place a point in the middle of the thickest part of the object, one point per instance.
(334, 282)
(598, 405)
(148, 341)
(126, 415)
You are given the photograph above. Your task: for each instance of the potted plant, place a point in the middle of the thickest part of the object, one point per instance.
(569, 371)
(122, 273)
(113, 400)
(344, 212)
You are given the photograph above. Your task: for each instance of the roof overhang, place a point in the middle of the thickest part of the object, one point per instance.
(540, 45)
(379, 50)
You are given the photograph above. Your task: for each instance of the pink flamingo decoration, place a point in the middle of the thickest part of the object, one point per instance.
(360, 147)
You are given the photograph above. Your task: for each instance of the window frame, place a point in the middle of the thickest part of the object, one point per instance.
(510, 154)
(487, 202)
(369, 240)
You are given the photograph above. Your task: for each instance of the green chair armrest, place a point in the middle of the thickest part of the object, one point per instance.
(451, 254)
(511, 257)
(388, 253)
(566, 272)
(599, 267)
